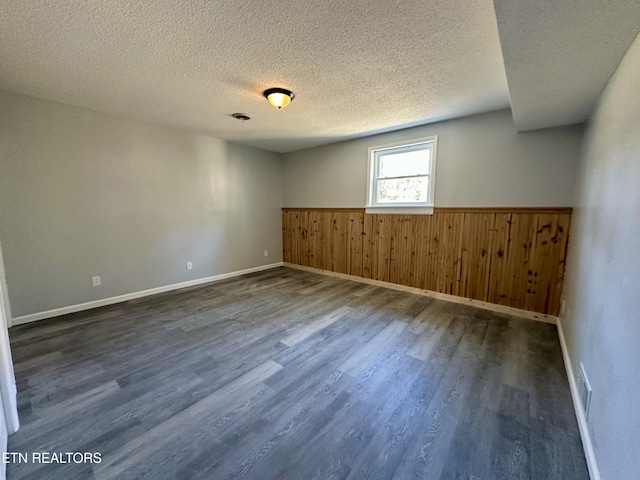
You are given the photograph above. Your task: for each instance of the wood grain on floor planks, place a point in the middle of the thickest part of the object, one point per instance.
(286, 374)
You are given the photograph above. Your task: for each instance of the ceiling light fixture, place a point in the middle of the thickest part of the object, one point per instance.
(279, 97)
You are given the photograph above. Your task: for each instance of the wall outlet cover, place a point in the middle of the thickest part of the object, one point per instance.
(97, 281)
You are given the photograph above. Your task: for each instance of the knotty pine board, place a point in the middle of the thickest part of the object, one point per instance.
(514, 257)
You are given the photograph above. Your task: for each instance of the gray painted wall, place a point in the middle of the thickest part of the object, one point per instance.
(84, 193)
(482, 161)
(602, 286)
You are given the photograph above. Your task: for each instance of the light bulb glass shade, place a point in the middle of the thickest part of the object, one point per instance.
(279, 97)
(279, 100)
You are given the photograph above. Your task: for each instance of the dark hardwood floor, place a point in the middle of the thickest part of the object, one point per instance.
(285, 374)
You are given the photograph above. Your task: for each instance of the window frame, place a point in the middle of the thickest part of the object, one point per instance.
(425, 208)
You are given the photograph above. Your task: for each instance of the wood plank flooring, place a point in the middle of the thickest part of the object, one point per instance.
(285, 374)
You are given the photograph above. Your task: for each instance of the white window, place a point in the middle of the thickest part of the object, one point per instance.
(402, 177)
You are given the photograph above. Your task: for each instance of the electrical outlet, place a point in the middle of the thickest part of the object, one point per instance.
(97, 281)
(189, 266)
(266, 253)
(562, 307)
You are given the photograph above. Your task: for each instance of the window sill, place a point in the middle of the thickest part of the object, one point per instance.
(400, 209)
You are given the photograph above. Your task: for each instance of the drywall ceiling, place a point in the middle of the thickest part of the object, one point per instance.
(559, 55)
(356, 66)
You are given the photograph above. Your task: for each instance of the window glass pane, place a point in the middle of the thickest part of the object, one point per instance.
(402, 190)
(403, 164)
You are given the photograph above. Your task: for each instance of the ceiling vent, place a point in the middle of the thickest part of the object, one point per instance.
(241, 116)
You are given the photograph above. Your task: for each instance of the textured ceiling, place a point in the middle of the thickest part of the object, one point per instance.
(356, 66)
(559, 55)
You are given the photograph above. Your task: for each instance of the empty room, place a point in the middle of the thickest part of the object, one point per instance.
(320, 240)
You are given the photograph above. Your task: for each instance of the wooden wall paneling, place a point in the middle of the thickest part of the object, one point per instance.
(375, 246)
(564, 225)
(316, 240)
(356, 238)
(475, 255)
(514, 258)
(319, 245)
(558, 248)
(304, 238)
(314, 233)
(296, 245)
(466, 251)
(310, 237)
(407, 248)
(327, 236)
(295, 220)
(449, 262)
(286, 240)
(444, 259)
(324, 225)
(435, 244)
(547, 259)
(457, 222)
(523, 237)
(500, 242)
(302, 231)
(400, 257)
(383, 246)
(369, 255)
(397, 250)
(293, 233)
(298, 253)
(428, 275)
(340, 242)
(488, 226)
(394, 222)
(419, 239)
(290, 224)
(343, 227)
(539, 258)
(345, 221)
(368, 240)
(335, 243)
(433, 253)
(517, 258)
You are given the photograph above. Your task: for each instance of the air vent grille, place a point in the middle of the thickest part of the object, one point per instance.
(584, 388)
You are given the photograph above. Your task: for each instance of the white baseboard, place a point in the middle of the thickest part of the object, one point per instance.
(541, 317)
(130, 296)
(594, 473)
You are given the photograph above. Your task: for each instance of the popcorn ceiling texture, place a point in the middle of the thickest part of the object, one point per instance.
(559, 55)
(357, 66)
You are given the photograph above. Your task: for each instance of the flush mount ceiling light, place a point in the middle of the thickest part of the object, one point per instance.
(279, 97)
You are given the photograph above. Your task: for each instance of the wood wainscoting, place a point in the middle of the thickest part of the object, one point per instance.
(507, 256)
